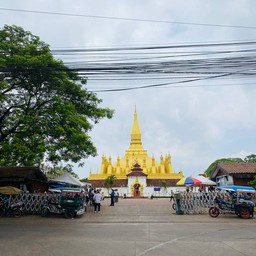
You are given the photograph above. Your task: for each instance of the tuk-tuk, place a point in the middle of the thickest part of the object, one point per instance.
(71, 203)
(239, 200)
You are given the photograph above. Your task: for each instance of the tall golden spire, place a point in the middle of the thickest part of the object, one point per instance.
(136, 154)
(135, 135)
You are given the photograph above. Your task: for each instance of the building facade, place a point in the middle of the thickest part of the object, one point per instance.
(29, 179)
(233, 173)
(137, 174)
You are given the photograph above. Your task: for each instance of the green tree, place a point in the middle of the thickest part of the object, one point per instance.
(250, 159)
(109, 181)
(253, 182)
(45, 110)
(84, 180)
(57, 171)
(163, 184)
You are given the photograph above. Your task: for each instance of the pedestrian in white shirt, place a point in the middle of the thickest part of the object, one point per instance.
(97, 199)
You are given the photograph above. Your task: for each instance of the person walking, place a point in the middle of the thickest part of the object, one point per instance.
(92, 192)
(172, 196)
(116, 196)
(97, 199)
(112, 197)
(102, 195)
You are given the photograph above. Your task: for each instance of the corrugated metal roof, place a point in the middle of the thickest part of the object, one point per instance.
(33, 173)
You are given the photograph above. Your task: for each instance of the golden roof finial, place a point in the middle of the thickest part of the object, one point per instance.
(135, 135)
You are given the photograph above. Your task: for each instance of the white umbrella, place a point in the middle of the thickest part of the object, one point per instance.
(205, 181)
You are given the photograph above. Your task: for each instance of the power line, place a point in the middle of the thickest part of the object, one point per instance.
(173, 86)
(128, 19)
(162, 84)
(170, 64)
(158, 47)
(145, 44)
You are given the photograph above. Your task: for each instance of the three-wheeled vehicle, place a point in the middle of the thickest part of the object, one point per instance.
(239, 200)
(71, 203)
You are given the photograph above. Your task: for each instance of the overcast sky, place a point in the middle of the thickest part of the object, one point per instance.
(197, 125)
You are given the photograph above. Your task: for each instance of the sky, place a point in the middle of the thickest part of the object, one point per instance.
(196, 124)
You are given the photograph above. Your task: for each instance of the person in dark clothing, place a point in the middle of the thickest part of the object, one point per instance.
(112, 196)
(172, 196)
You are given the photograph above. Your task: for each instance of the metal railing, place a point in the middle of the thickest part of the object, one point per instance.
(200, 202)
(32, 203)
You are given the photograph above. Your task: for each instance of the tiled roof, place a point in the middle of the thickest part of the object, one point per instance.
(238, 167)
(136, 173)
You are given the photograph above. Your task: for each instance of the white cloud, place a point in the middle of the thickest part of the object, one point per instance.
(196, 125)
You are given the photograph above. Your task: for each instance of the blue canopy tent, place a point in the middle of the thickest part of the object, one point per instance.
(235, 188)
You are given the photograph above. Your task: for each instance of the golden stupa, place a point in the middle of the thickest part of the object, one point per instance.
(136, 153)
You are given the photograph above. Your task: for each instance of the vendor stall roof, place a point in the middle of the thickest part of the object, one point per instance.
(68, 179)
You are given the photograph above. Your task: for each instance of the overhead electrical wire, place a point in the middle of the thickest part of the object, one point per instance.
(127, 19)
(159, 47)
(216, 61)
(163, 84)
(170, 64)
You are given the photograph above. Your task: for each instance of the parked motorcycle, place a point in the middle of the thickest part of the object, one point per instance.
(12, 210)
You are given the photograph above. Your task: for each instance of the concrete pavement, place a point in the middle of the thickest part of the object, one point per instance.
(132, 227)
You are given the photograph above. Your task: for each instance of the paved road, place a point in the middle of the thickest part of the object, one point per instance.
(134, 227)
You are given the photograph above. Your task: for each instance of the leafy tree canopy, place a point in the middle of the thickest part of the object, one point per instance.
(84, 179)
(253, 182)
(45, 111)
(57, 171)
(249, 159)
(109, 181)
(163, 184)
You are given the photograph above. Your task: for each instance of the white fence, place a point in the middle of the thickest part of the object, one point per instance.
(195, 202)
(189, 203)
(32, 202)
(200, 202)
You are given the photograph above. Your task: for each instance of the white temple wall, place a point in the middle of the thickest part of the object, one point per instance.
(147, 191)
(142, 180)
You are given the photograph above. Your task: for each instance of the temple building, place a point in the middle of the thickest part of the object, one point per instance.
(137, 174)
